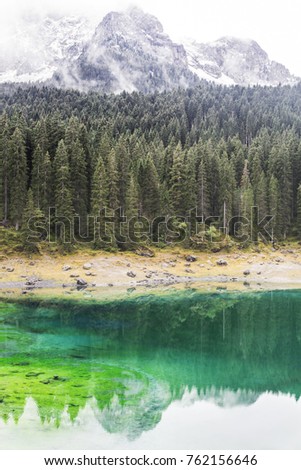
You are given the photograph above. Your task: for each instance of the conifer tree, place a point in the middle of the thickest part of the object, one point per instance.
(262, 195)
(17, 177)
(41, 179)
(112, 181)
(72, 133)
(202, 188)
(255, 174)
(299, 212)
(190, 184)
(247, 196)
(4, 168)
(55, 131)
(104, 147)
(99, 188)
(213, 178)
(273, 206)
(280, 165)
(177, 180)
(78, 183)
(123, 167)
(33, 219)
(40, 135)
(132, 198)
(63, 193)
(99, 203)
(226, 189)
(149, 189)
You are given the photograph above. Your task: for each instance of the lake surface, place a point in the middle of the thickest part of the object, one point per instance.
(183, 370)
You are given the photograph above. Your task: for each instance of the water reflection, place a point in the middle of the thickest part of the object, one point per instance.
(122, 367)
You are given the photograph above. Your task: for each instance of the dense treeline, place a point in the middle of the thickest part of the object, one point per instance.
(218, 149)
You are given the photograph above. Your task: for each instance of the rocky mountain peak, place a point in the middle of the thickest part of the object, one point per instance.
(129, 51)
(145, 21)
(231, 60)
(132, 24)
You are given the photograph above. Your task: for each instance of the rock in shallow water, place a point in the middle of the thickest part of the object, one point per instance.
(131, 274)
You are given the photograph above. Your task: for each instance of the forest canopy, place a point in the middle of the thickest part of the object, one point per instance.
(218, 150)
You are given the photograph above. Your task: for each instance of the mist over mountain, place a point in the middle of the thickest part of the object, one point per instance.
(231, 60)
(39, 47)
(129, 51)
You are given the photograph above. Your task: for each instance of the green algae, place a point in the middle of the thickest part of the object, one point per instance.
(131, 358)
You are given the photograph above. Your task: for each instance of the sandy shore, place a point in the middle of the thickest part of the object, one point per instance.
(280, 269)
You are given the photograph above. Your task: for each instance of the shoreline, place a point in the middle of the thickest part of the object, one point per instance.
(265, 270)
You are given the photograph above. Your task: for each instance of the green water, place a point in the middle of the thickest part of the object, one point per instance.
(176, 371)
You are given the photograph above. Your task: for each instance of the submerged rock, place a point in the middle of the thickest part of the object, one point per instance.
(131, 289)
(131, 274)
(33, 374)
(81, 282)
(60, 379)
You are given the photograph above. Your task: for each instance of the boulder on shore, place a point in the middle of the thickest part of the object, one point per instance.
(190, 258)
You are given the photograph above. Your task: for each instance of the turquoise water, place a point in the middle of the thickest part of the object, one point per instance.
(184, 370)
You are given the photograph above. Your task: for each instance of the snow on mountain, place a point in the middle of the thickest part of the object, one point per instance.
(128, 51)
(231, 60)
(35, 49)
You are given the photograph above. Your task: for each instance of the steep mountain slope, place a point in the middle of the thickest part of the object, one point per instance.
(128, 51)
(38, 48)
(236, 61)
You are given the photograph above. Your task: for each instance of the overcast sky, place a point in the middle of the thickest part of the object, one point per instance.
(275, 25)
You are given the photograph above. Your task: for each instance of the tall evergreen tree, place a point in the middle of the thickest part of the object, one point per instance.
(247, 196)
(112, 181)
(4, 168)
(148, 188)
(202, 191)
(299, 212)
(262, 195)
(177, 181)
(132, 198)
(273, 206)
(41, 179)
(99, 203)
(17, 177)
(78, 183)
(226, 189)
(63, 194)
(32, 218)
(123, 166)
